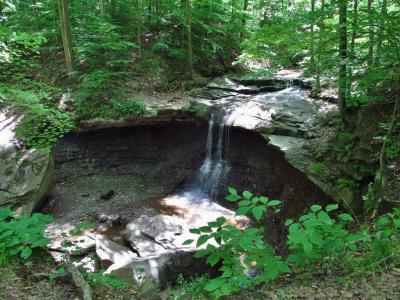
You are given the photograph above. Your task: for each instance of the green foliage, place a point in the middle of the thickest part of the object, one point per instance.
(57, 273)
(128, 108)
(245, 258)
(347, 182)
(388, 226)
(249, 205)
(195, 289)
(20, 235)
(320, 170)
(317, 236)
(42, 126)
(106, 280)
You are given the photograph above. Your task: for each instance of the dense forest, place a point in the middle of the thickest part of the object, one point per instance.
(67, 67)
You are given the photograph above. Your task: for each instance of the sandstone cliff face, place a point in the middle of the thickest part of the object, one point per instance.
(25, 175)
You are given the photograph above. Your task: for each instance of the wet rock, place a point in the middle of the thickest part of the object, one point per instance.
(158, 268)
(111, 220)
(111, 254)
(151, 235)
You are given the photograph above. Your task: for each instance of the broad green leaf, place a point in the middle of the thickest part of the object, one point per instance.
(205, 229)
(274, 203)
(201, 253)
(232, 191)
(247, 195)
(202, 240)
(242, 211)
(331, 207)
(194, 231)
(233, 197)
(324, 217)
(221, 220)
(188, 242)
(257, 212)
(316, 208)
(213, 258)
(346, 217)
(5, 213)
(245, 203)
(26, 253)
(288, 222)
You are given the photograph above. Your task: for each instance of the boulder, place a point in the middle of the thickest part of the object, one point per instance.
(153, 235)
(25, 175)
(158, 268)
(111, 254)
(73, 245)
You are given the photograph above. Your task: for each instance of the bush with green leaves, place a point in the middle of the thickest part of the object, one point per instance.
(388, 226)
(128, 108)
(245, 258)
(42, 126)
(318, 235)
(20, 235)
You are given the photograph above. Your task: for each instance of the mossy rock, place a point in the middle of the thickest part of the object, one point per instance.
(200, 110)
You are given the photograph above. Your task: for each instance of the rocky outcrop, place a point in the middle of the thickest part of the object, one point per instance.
(25, 175)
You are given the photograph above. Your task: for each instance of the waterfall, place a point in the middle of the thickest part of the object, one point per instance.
(215, 169)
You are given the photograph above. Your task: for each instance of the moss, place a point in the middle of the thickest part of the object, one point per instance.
(201, 110)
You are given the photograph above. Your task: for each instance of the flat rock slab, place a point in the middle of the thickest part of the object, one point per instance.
(288, 111)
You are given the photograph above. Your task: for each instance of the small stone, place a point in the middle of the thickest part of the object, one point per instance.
(107, 195)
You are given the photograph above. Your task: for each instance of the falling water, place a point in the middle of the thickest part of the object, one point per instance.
(214, 171)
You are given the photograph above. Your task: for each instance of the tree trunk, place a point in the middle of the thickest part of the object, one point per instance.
(342, 76)
(66, 32)
(354, 28)
(245, 7)
(371, 35)
(382, 175)
(139, 26)
(103, 9)
(383, 17)
(312, 38)
(188, 15)
(320, 47)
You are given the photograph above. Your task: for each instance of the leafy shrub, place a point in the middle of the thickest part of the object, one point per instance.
(128, 108)
(19, 235)
(42, 126)
(317, 236)
(388, 226)
(245, 257)
(106, 280)
(346, 182)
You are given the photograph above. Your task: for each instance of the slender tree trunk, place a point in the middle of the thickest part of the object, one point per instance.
(139, 26)
(245, 7)
(63, 7)
(312, 37)
(382, 175)
(103, 9)
(113, 10)
(188, 15)
(320, 42)
(371, 35)
(354, 28)
(342, 76)
(381, 30)
(35, 8)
